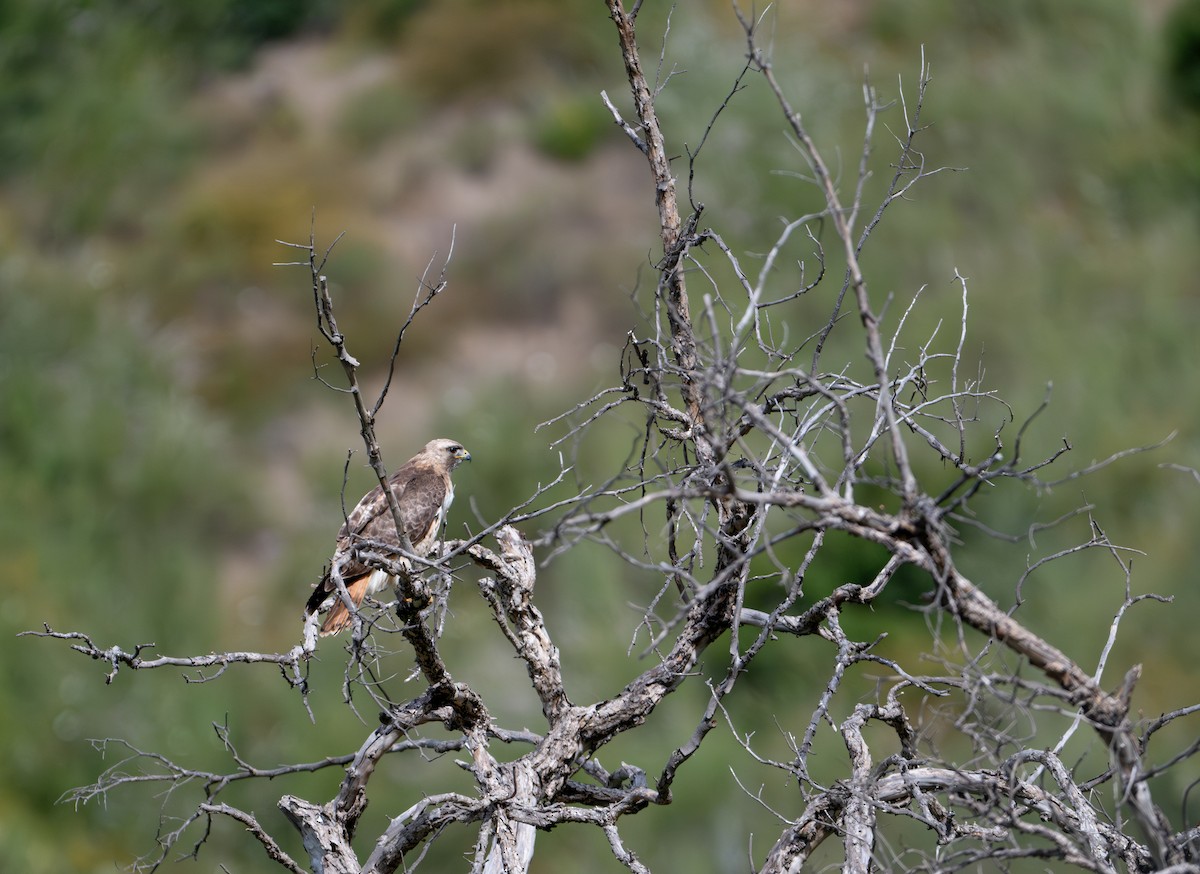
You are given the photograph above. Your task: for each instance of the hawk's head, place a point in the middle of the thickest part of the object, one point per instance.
(443, 451)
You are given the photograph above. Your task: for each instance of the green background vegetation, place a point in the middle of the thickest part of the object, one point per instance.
(169, 471)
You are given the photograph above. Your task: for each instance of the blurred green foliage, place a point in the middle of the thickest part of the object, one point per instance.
(90, 93)
(102, 526)
(476, 50)
(155, 391)
(569, 127)
(370, 118)
(1182, 54)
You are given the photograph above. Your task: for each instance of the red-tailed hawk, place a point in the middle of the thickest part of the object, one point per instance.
(423, 493)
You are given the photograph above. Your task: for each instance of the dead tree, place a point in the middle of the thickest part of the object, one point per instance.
(754, 446)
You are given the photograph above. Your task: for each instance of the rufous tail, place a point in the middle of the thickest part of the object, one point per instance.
(339, 617)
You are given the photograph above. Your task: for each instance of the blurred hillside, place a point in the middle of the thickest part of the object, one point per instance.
(170, 471)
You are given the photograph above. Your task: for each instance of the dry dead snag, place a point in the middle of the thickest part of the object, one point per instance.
(756, 455)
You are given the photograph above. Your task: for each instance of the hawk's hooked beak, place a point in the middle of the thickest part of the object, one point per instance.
(462, 455)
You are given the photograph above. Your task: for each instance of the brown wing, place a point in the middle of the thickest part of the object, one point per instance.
(421, 509)
(419, 493)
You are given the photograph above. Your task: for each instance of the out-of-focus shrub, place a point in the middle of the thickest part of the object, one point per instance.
(1181, 39)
